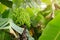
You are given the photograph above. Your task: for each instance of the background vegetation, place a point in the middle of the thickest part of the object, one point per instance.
(29, 19)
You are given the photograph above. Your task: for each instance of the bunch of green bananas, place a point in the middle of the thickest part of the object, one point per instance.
(21, 17)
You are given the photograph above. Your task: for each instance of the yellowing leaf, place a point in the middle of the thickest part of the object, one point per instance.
(31, 32)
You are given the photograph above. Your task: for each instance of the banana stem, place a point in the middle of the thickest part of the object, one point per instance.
(53, 8)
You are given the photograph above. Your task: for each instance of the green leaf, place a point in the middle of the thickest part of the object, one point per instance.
(35, 17)
(46, 11)
(7, 3)
(15, 27)
(58, 38)
(30, 11)
(57, 12)
(4, 25)
(5, 14)
(3, 21)
(4, 35)
(17, 2)
(48, 2)
(2, 8)
(52, 30)
(38, 19)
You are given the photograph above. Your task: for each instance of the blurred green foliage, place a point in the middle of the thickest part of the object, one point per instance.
(39, 23)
